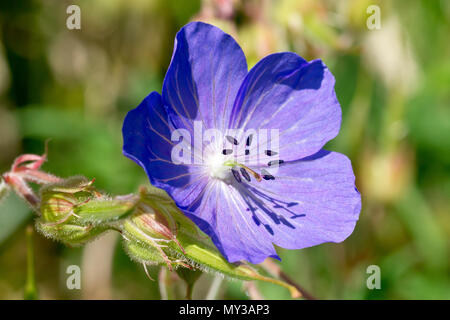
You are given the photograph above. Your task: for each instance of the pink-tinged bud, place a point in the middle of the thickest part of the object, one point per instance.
(149, 237)
(25, 169)
(59, 200)
(154, 222)
(57, 207)
(20, 187)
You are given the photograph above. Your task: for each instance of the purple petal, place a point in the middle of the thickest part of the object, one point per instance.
(284, 91)
(223, 215)
(147, 141)
(311, 201)
(204, 76)
(300, 203)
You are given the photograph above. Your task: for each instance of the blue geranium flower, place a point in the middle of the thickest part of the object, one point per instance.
(240, 151)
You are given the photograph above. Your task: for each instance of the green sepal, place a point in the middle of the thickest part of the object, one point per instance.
(70, 234)
(76, 201)
(104, 209)
(58, 200)
(190, 276)
(143, 253)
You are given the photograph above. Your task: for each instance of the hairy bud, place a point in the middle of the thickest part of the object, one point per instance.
(76, 199)
(74, 212)
(70, 234)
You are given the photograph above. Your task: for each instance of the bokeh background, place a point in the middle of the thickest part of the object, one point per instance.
(75, 87)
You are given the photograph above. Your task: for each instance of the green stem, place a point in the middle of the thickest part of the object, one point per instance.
(30, 285)
(189, 290)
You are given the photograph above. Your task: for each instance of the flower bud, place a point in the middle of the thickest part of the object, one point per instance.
(104, 209)
(69, 234)
(58, 200)
(143, 253)
(74, 212)
(75, 199)
(151, 240)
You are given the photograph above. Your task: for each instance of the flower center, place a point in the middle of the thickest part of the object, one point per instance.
(221, 165)
(217, 167)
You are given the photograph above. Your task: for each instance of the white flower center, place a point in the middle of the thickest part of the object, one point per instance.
(216, 166)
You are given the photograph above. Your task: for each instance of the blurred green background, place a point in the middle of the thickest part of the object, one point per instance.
(75, 86)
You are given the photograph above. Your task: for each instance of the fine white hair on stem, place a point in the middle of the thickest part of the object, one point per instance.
(214, 289)
(146, 271)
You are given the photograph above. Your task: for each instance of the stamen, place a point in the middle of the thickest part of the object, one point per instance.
(271, 153)
(275, 162)
(232, 140)
(227, 151)
(232, 163)
(245, 174)
(254, 173)
(236, 175)
(247, 152)
(266, 175)
(249, 140)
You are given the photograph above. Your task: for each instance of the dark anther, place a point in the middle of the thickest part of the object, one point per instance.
(271, 153)
(275, 162)
(245, 174)
(236, 175)
(247, 152)
(266, 175)
(232, 140)
(227, 151)
(249, 140)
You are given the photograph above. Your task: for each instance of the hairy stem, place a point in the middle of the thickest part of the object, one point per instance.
(30, 285)
(189, 290)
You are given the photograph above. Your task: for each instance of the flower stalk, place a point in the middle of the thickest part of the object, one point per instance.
(31, 292)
